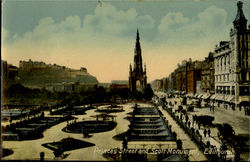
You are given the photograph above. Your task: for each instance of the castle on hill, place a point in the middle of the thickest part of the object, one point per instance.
(32, 65)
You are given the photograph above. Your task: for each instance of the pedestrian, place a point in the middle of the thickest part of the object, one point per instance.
(205, 132)
(199, 125)
(197, 133)
(208, 132)
(193, 119)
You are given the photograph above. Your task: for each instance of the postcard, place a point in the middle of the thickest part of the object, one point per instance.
(114, 80)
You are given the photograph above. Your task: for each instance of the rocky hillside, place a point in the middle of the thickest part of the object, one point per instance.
(42, 76)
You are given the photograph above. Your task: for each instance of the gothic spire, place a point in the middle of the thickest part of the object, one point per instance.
(240, 22)
(138, 57)
(137, 36)
(137, 45)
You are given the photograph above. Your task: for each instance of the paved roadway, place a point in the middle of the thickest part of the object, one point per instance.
(236, 118)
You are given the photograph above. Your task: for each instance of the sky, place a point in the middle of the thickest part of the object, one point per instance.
(101, 36)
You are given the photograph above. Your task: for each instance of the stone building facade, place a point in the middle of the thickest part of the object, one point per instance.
(231, 59)
(207, 75)
(193, 76)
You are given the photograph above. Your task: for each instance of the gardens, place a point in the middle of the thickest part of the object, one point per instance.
(110, 109)
(91, 126)
(31, 128)
(66, 144)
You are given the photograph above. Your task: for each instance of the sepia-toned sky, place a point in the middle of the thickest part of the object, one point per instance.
(101, 37)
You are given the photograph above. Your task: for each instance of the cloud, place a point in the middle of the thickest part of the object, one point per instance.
(104, 40)
(172, 21)
(107, 19)
(107, 22)
(206, 27)
(101, 41)
(213, 17)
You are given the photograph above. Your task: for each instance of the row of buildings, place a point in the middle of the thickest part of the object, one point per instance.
(190, 77)
(224, 74)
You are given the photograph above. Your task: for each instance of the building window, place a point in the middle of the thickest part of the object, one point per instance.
(227, 77)
(223, 77)
(229, 60)
(233, 90)
(225, 59)
(244, 91)
(243, 76)
(228, 90)
(221, 64)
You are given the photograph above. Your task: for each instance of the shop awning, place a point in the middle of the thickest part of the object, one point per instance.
(244, 98)
(206, 96)
(199, 96)
(221, 97)
(196, 96)
(230, 99)
(213, 96)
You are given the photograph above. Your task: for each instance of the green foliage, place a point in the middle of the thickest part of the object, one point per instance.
(24, 93)
(97, 94)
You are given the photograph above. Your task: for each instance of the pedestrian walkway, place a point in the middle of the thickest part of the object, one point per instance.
(195, 153)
